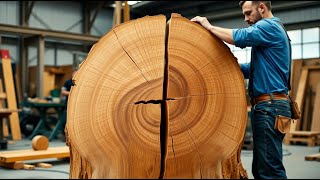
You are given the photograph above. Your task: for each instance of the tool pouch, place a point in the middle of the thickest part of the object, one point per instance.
(295, 111)
(282, 124)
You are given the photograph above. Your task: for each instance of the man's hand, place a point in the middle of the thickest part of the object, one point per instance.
(203, 21)
(222, 33)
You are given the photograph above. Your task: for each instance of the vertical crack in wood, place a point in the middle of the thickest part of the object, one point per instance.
(164, 111)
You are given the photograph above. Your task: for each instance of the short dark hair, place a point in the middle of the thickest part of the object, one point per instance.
(266, 3)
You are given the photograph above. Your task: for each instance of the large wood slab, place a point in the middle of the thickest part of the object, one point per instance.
(157, 99)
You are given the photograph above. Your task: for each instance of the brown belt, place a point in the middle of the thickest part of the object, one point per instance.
(265, 97)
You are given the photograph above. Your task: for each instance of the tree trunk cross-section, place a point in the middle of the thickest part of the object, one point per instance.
(157, 99)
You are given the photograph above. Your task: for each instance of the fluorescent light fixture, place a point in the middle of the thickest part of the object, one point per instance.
(133, 2)
(129, 2)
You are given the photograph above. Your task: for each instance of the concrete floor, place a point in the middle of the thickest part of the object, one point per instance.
(296, 166)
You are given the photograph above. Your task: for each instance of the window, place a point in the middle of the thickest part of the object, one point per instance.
(305, 43)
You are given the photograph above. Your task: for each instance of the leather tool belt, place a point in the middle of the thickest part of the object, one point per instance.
(265, 97)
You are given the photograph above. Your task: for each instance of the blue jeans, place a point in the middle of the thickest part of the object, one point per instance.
(267, 142)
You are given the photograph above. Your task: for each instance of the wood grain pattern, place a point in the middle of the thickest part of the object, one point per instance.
(124, 67)
(157, 100)
(206, 82)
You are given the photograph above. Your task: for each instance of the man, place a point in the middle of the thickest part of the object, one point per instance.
(65, 90)
(268, 75)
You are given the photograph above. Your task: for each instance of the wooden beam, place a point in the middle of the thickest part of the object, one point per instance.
(40, 67)
(307, 115)
(27, 31)
(300, 96)
(24, 70)
(2, 105)
(11, 95)
(117, 13)
(311, 67)
(126, 11)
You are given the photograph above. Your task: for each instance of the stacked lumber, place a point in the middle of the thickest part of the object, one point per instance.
(306, 93)
(157, 99)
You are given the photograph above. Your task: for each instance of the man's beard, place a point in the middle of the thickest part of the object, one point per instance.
(259, 17)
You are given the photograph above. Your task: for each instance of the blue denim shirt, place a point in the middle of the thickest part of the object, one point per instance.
(270, 55)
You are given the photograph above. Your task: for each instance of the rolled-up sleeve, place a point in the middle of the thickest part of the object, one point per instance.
(245, 68)
(254, 35)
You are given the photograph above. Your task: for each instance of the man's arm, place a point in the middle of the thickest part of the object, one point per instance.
(222, 33)
(64, 91)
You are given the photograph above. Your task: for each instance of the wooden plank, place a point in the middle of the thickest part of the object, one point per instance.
(299, 97)
(310, 140)
(313, 80)
(306, 133)
(4, 121)
(312, 157)
(296, 72)
(29, 167)
(22, 155)
(43, 165)
(11, 96)
(315, 123)
(311, 67)
(306, 118)
(18, 87)
(302, 139)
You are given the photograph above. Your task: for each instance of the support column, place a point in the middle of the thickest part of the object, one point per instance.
(86, 17)
(24, 66)
(40, 69)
